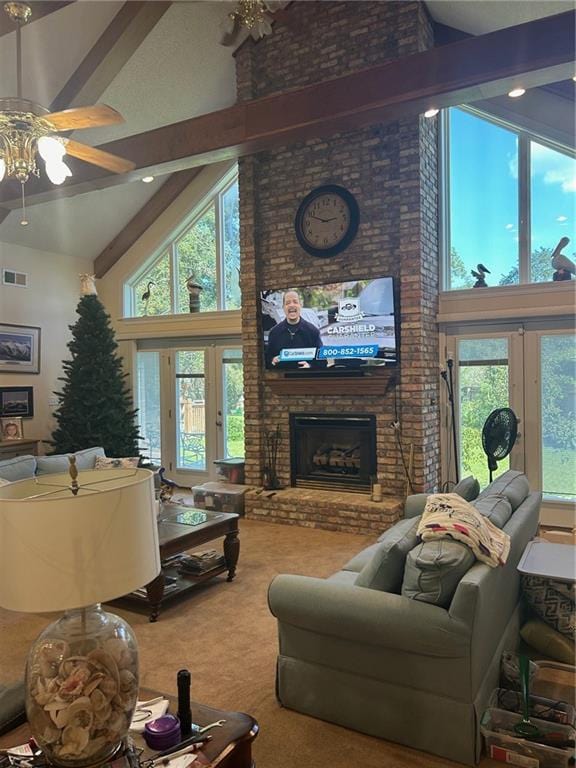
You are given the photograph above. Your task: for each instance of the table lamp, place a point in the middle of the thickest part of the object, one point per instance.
(71, 546)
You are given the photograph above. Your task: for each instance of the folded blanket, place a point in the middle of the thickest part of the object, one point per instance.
(448, 515)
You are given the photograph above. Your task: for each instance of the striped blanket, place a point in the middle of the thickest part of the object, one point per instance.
(448, 515)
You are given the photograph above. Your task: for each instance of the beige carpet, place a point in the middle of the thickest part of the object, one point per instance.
(225, 635)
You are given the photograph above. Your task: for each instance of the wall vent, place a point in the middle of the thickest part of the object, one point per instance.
(17, 279)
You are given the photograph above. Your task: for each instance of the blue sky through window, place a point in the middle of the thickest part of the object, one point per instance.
(484, 198)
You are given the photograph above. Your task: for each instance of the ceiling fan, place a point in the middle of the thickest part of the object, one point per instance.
(28, 129)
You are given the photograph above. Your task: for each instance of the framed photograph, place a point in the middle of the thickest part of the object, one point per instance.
(19, 349)
(17, 401)
(12, 428)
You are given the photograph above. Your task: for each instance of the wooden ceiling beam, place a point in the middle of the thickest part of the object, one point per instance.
(39, 9)
(109, 54)
(149, 212)
(477, 68)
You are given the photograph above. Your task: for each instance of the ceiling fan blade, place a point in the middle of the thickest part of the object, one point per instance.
(99, 157)
(84, 117)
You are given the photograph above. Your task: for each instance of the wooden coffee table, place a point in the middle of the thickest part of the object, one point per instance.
(176, 535)
(230, 747)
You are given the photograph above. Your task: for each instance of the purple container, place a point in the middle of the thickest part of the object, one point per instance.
(162, 733)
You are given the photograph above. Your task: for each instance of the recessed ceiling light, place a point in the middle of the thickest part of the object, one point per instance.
(574, 78)
(431, 112)
(147, 179)
(514, 94)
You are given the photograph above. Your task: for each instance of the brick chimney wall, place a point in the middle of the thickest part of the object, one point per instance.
(391, 168)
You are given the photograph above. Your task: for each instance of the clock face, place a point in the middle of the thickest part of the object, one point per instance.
(327, 221)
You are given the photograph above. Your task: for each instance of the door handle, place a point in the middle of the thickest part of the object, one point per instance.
(219, 423)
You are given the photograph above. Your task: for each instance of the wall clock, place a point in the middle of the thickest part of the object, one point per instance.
(327, 220)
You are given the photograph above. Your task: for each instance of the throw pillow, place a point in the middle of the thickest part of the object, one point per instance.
(18, 468)
(103, 462)
(385, 569)
(547, 641)
(468, 488)
(495, 507)
(434, 569)
(448, 515)
(553, 601)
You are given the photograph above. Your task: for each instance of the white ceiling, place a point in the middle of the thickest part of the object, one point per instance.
(179, 71)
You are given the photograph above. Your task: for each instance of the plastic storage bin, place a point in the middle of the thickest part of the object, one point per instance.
(551, 710)
(555, 680)
(497, 726)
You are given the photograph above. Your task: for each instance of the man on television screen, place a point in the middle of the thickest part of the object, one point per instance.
(293, 335)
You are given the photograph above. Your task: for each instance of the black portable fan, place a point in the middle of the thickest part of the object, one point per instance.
(498, 436)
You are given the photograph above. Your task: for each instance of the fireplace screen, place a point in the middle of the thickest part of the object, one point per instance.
(333, 452)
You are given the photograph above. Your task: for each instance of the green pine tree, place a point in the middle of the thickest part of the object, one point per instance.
(95, 406)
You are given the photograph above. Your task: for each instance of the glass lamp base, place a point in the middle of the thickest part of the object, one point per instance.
(82, 687)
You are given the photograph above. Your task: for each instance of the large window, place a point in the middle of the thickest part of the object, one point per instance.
(205, 252)
(509, 199)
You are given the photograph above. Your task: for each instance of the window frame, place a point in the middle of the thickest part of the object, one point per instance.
(214, 197)
(525, 138)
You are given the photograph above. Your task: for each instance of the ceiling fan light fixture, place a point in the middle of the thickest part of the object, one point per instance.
(515, 93)
(2, 168)
(147, 179)
(57, 171)
(51, 149)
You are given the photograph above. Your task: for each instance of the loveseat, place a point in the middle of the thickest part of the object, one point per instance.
(23, 467)
(414, 664)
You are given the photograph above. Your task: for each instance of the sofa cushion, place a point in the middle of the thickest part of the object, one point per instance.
(495, 507)
(413, 506)
(512, 484)
(19, 468)
(85, 459)
(385, 569)
(434, 569)
(468, 488)
(359, 561)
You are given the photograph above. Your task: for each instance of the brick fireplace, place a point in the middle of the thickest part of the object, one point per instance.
(391, 168)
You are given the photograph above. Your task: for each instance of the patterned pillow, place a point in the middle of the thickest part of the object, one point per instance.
(103, 462)
(553, 601)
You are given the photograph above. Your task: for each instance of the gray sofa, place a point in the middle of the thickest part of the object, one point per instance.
(22, 467)
(405, 669)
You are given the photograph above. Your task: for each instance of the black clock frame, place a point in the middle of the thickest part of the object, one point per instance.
(349, 199)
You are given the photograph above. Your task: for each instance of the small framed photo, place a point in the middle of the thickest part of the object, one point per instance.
(17, 401)
(12, 428)
(19, 349)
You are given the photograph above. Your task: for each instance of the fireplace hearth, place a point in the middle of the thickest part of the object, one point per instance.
(331, 452)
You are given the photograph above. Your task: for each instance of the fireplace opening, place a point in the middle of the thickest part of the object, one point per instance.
(333, 452)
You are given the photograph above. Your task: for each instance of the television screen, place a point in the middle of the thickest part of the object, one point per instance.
(331, 326)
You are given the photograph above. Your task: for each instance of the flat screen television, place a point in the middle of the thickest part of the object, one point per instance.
(331, 327)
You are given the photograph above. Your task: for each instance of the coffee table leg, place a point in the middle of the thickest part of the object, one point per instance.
(155, 593)
(231, 553)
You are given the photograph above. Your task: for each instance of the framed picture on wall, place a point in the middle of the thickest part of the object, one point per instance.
(12, 428)
(17, 401)
(19, 349)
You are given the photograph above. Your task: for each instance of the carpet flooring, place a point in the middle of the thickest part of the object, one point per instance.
(224, 634)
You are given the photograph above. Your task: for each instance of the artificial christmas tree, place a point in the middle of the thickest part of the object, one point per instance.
(95, 406)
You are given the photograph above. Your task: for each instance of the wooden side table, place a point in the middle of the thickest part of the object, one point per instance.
(230, 747)
(10, 449)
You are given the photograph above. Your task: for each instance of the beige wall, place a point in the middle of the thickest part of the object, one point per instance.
(49, 302)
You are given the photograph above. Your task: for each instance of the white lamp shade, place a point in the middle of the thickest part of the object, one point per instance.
(51, 148)
(57, 171)
(59, 551)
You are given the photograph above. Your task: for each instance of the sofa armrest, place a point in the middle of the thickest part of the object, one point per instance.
(367, 616)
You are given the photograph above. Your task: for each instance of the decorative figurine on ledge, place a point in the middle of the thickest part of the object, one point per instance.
(194, 289)
(564, 267)
(146, 295)
(480, 276)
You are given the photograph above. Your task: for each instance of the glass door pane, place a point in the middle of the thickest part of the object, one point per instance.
(148, 404)
(482, 386)
(558, 406)
(233, 403)
(190, 410)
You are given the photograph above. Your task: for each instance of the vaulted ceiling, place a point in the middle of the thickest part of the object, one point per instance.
(158, 63)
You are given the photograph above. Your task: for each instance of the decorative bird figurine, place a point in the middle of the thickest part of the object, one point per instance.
(564, 267)
(480, 275)
(146, 296)
(167, 486)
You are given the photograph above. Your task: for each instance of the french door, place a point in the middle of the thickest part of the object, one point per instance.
(191, 408)
(531, 370)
